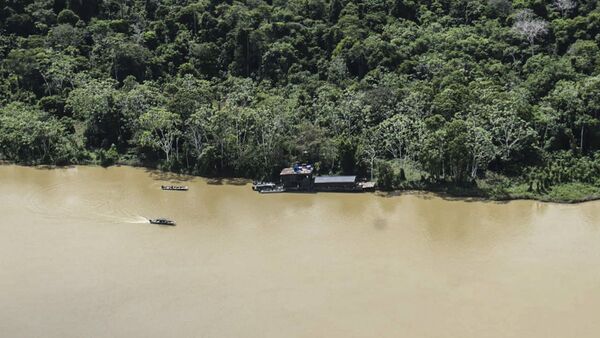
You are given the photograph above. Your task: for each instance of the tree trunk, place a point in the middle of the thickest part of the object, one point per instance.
(474, 170)
(581, 138)
(531, 44)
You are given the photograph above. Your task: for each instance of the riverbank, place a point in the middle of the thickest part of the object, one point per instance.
(569, 193)
(485, 190)
(493, 187)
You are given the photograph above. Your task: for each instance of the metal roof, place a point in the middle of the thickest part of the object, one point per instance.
(334, 179)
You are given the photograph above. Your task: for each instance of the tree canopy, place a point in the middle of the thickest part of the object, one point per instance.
(458, 89)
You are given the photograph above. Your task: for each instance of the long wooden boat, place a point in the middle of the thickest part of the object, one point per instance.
(273, 190)
(175, 187)
(260, 186)
(162, 221)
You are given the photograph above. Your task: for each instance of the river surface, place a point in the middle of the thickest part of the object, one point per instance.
(78, 259)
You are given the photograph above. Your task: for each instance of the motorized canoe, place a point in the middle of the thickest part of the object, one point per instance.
(162, 221)
(175, 187)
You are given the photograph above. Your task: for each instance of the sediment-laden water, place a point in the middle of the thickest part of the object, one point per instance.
(78, 259)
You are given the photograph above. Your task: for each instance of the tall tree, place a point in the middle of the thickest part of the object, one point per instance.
(564, 6)
(158, 129)
(531, 27)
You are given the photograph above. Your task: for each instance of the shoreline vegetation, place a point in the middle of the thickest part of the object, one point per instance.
(486, 191)
(494, 99)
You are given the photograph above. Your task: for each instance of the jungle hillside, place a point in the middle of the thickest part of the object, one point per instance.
(490, 98)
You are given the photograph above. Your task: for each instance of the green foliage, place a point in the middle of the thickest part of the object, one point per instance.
(94, 103)
(347, 154)
(461, 90)
(157, 130)
(573, 192)
(108, 157)
(67, 16)
(30, 136)
(385, 177)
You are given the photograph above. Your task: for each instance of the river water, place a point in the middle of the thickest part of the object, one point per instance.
(78, 259)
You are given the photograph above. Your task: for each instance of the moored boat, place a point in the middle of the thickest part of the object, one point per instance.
(175, 187)
(162, 221)
(261, 186)
(272, 190)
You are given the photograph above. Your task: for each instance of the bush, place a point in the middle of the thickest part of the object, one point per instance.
(573, 192)
(385, 177)
(119, 26)
(55, 105)
(67, 16)
(108, 157)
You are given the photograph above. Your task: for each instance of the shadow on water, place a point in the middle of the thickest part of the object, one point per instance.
(228, 181)
(168, 176)
(164, 226)
(398, 193)
(159, 175)
(380, 224)
(451, 198)
(429, 195)
(52, 167)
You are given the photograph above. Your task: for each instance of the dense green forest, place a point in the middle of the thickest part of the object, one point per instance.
(469, 93)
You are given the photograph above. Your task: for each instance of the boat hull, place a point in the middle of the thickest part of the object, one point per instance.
(162, 222)
(174, 188)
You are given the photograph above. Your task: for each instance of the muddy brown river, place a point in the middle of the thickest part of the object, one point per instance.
(78, 259)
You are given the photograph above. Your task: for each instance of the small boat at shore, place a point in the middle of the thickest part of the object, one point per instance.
(272, 190)
(260, 186)
(267, 187)
(175, 187)
(162, 221)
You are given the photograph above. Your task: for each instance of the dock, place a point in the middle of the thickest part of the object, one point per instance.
(299, 178)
